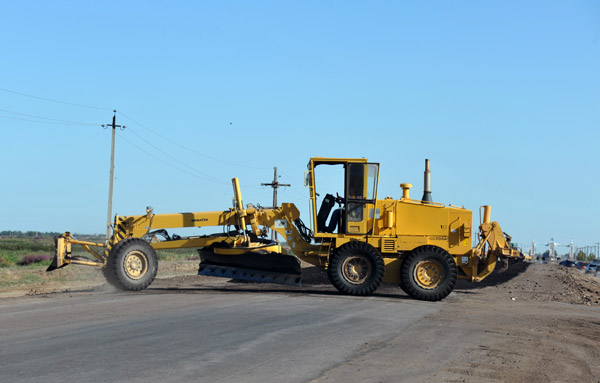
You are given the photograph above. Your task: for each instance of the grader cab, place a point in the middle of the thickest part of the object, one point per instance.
(420, 245)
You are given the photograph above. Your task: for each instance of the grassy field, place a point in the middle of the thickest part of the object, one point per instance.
(23, 250)
(14, 252)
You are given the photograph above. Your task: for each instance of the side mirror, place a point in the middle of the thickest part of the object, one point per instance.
(307, 178)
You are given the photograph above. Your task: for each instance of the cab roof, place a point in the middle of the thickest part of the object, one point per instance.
(326, 160)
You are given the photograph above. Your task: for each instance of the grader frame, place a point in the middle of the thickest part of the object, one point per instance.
(420, 245)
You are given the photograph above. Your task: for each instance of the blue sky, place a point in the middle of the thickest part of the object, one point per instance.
(501, 96)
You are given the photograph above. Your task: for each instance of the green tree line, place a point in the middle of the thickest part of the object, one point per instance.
(581, 256)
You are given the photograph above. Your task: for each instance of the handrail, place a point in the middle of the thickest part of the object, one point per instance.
(419, 202)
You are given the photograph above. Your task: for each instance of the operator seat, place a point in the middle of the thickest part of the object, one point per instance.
(326, 206)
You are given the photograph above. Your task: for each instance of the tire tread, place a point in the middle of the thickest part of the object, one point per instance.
(410, 287)
(336, 261)
(113, 270)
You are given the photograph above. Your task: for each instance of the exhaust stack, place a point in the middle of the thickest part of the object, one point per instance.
(427, 187)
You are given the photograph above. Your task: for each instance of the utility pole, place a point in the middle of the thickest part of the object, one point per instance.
(571, 252)
(112, 171)
(275, 184)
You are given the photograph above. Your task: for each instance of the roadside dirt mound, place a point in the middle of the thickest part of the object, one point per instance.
(538, 282)
(580, 288)
(498, 277)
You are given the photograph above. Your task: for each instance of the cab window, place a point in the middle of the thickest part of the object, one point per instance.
(355, 182)
(372, 174)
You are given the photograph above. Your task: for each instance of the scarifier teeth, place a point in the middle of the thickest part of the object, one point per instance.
(250, 275)
(256, 266)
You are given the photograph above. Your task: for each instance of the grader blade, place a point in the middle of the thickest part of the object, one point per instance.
(59, 254)
(252, 266)
(54, 265)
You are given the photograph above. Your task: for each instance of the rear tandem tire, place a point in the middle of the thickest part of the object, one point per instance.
(356, 268)
(132, 265)
(428, 273)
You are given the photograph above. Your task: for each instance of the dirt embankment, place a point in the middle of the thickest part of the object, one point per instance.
(539, 282)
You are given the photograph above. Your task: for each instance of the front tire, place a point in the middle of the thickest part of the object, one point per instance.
(428, 273)
(132, 265)
(356, 268)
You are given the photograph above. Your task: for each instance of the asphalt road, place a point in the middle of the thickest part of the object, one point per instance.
(195, 335)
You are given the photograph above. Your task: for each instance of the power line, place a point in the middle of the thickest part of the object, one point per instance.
(298, 194)
(66, 122)
(52, 100)
(161, 160)
(165, 162)
(190, 149)
(204, 176)
(124, 115)
(43, 122)
(47, 118)
(292, 188)
(173, 158)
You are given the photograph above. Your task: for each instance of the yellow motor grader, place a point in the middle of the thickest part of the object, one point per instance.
(421, 245)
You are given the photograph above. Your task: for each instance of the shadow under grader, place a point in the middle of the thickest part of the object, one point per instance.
(314, 282)
(498, 277)
(256, 288)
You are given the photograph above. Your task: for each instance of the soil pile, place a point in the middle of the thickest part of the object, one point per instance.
(539, 282)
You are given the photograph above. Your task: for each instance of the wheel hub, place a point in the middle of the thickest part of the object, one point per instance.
(136, 264)
(356, 269)
(428, 274)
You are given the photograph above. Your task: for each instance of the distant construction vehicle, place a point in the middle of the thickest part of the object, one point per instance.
(420, 245)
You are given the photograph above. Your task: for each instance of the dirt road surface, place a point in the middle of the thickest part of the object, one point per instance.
(533, 323)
